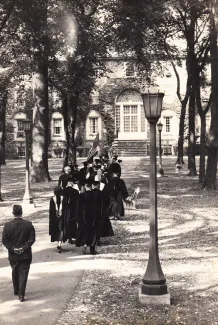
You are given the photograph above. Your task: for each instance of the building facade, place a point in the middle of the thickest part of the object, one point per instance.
(117, 97)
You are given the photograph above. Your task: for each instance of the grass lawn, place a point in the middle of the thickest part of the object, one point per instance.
(188, 230)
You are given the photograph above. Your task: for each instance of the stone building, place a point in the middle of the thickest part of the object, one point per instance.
(116, 99)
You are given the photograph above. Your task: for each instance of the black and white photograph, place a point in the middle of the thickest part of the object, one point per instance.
(108, 162)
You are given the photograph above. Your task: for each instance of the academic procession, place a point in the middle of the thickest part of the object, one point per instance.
(79, 213)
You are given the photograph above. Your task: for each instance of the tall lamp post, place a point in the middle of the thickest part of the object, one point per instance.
(27, 198)
(153, 289)
(1, 133)
(160, 170)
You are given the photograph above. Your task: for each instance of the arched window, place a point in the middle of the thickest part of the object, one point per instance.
(130, 116)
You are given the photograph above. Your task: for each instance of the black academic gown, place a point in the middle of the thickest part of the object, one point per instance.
(55, 221)
(117, 193)
(83, 172)
(70, 212)
(63, 180)
(105, 228)
(90, 212)
(114, 168)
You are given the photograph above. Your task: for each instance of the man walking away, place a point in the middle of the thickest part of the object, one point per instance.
(18, 236)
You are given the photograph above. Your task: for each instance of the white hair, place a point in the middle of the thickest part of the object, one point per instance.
(67, 169)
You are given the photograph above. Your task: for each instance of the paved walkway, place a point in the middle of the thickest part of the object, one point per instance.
(52, 280)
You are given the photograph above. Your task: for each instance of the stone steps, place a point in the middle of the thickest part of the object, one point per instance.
(130, 148)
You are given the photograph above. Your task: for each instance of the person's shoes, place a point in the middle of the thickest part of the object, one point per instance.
(84, 250)
(98, 243)
(59, 249)
(16, 293)
(21, 298)
(94, 252)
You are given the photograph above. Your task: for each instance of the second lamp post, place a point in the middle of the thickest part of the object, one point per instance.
(27, 198)
(153, 288)
(160, 170)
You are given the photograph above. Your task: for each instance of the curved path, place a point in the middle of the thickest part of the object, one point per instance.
(52, 280)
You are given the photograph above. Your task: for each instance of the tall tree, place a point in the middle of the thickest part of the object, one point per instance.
(210, 181)
(189, 21)
(35, 17)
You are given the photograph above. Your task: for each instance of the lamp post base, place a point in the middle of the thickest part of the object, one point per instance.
(154, 299)
(28, 206)
(28, 201)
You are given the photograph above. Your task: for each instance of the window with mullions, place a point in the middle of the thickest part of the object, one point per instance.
(130, 118)
(20, 126)
(167, 124)
(20, 129)
(21, 152)
(117, 117)
(143, 118)
(93, 125)
(57, 126)
(20, 99)
(129, 69)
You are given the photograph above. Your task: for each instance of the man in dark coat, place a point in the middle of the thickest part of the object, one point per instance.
(18, 236)
(117, 193)
(90, 212)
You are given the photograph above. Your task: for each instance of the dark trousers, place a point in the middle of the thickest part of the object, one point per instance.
(20, 271)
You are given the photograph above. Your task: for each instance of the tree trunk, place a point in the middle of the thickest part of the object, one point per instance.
(202, 149)
(211, 171)
(191, 145)
(40, 135)
(181, 134)
(210, 180)
(73, 107)
(67, 133)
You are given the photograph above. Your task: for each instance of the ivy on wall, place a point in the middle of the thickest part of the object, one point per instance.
(109, 122)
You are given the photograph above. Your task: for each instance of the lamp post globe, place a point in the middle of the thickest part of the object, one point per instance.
(160, 127)
(153, 289)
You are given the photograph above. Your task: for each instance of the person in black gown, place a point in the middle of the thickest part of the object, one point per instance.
(104, 228)
(117, 193)
(90, 212)
(70, 209)
(64, 178)
(83, 172)
(56, 218)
